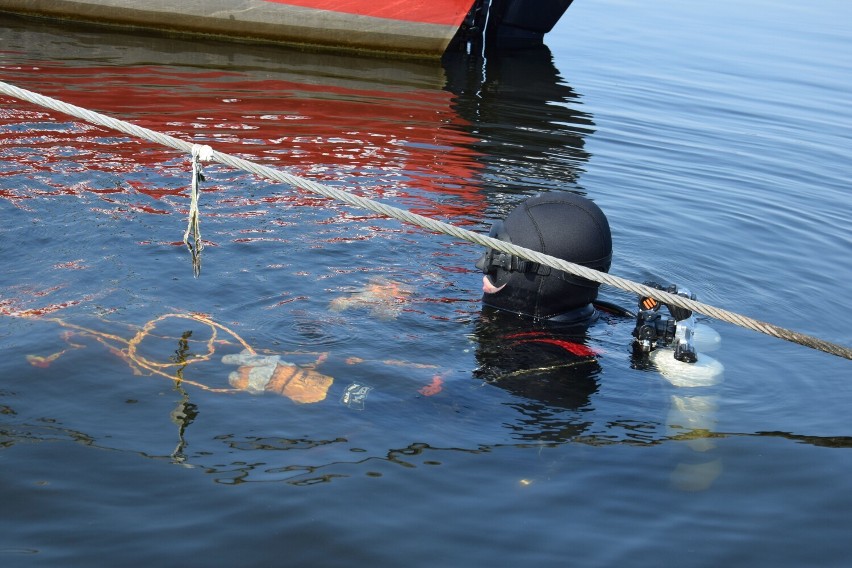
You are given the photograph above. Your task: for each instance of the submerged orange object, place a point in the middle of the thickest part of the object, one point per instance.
(296, 383)
(39, 361)
(382, 297)
(434, 387)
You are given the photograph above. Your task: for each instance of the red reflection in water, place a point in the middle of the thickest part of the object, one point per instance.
(27, 295)
(390, 142)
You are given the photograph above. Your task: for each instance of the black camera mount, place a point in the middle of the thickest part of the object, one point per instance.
(654, 328)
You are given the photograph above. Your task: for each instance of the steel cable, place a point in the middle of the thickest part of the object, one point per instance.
(428, 223)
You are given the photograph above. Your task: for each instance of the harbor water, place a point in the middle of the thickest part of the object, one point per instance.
(716, 138)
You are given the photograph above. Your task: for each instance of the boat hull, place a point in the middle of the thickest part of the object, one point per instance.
(414, 27)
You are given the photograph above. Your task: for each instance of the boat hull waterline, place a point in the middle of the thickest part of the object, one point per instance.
(414, 27)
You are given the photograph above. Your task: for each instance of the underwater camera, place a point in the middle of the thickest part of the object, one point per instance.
(654, 328)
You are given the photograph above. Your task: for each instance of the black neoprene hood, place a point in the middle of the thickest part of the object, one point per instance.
(560, 224)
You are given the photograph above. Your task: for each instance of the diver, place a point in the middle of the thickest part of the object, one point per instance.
(530, 336)
(550, 302)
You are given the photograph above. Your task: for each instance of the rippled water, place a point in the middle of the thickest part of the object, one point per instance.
(715, 138)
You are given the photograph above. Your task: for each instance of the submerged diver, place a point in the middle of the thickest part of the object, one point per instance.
(531, 331)
(533, 304)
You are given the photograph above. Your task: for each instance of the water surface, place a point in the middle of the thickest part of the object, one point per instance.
(715, 139)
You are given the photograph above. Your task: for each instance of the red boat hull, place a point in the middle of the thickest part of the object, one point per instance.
(412, 27)
(441, 12)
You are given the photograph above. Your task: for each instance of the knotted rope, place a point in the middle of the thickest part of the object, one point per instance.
(199, 154)
(430, 224)
(128, 349)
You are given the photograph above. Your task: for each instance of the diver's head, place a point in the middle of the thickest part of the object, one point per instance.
(559, 224)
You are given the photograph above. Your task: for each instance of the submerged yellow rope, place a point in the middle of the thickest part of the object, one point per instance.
(128, 349)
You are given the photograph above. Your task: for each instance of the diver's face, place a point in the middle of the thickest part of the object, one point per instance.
(495, 277)
(488, 287)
